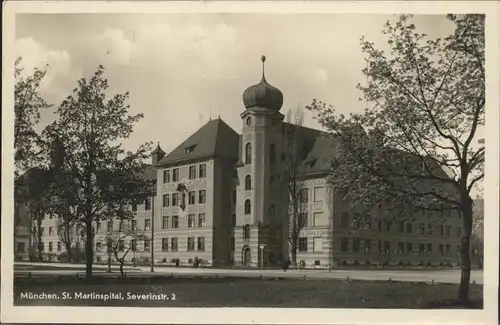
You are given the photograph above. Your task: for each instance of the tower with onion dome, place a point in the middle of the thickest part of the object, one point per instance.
(258, 216)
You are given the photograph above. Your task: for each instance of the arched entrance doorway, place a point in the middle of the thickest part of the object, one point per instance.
(246, 256)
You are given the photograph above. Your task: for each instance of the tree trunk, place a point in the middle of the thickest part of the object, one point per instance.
(68, 252)
(294, 255)
(89, 253)
(465, 256)
(122, 262)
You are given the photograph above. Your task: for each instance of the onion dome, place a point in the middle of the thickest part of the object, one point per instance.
(263, 95)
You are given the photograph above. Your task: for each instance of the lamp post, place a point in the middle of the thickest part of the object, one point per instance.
(261, 246)
(152, 245)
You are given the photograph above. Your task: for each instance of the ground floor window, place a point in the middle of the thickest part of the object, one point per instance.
(344, 242)
(201, 244)
(21, 247)
(174, 245)
(190, 244)
(164, 244)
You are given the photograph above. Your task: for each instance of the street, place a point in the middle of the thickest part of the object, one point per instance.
(439, 276)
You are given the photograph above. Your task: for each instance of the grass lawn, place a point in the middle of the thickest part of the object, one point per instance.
(286, 293)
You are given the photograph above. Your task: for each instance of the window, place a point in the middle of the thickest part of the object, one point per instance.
(409, 249)
(175, 199)
(429, 249)
(368, 222)
(133, 245)
(303, 195)
(201, 220)
(147, 245)
(357, 220)
(249, 121)
(429, 229)
(248, 208)
(192, 197)
(345, 219)
(388, 225)
(121, 245)
(190, 244)
(165, 222)
(110, 226)
(233, 244)
(246, 232)
(233, 219)
(42, 230)
(355, 244)
(379, 225)
(448, 250)
(147, 224)
(401, 248)
(379, 247)
(234, 197)
(448, 231)
(98, 226)
(272, 209)
(421, 249)
(166, 176)
(42, 246)
(50, 246)
(344, 242)
(202, 171)
(134, 207)
(440, 250)
(248, 153)
(318, 194)
(147, 205)
(191, 221)
(401, 226)
(303, 244)
(248, 182)
(408, 227)
(442, 231)
(174, 245)
(302, 222)
(459, 231)
(120, 225)
(59, 246)
(175, 222)
(272, 183)
(317, 244)
(175, 175)
(202, 196)
(368, 246)
(166, 200)
(421, 229)
(318, 219)
(272, 154)
(387, 247)
(459, 249)
(134, 225)
(201, 244)
(50, 231)
(192, 172)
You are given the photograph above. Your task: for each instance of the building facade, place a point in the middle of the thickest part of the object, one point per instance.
(221, 196)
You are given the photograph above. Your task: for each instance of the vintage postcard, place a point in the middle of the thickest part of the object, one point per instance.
(250, 162)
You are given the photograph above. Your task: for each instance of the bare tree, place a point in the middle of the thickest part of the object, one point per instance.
(116, 241)
(291, 182)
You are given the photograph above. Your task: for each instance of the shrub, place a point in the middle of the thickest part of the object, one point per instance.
(408, 263)
(164, 260)
(368, 263)
(343, 263)
(429, 263)
(356, 263)
(401, 263)
(317, 263)
(385, 263)
(441, 264)
(190, 261)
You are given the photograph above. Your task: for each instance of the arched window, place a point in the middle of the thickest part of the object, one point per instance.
(248, 208)
(248, 182)
(248, 153)
(246, 232)
(272, 153)
(249, 121)
(272, 209)
(272, 182)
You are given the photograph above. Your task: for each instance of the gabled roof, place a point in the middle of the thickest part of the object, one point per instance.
(214, 139)
(319, 158)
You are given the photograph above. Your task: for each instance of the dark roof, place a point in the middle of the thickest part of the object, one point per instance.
(214, 139)
(319, 158)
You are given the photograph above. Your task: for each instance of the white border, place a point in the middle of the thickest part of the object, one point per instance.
(256, 315)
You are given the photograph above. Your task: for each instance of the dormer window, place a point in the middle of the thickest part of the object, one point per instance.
(190, 149)
(311, 163)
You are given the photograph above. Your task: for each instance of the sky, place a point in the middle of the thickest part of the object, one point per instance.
(183, 69)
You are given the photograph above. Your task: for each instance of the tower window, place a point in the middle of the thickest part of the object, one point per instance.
(272, 182)
(248, 208)
(272, 209)
(272, 154)
(273, 121)
(248, 182)
(249, 121)
(248, 153)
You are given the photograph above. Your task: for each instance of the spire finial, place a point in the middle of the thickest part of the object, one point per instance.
(263, 59)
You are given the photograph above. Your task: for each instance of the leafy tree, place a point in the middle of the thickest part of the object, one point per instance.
(427, 101)
(28, 102)
(123, 240)
(104, 176)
